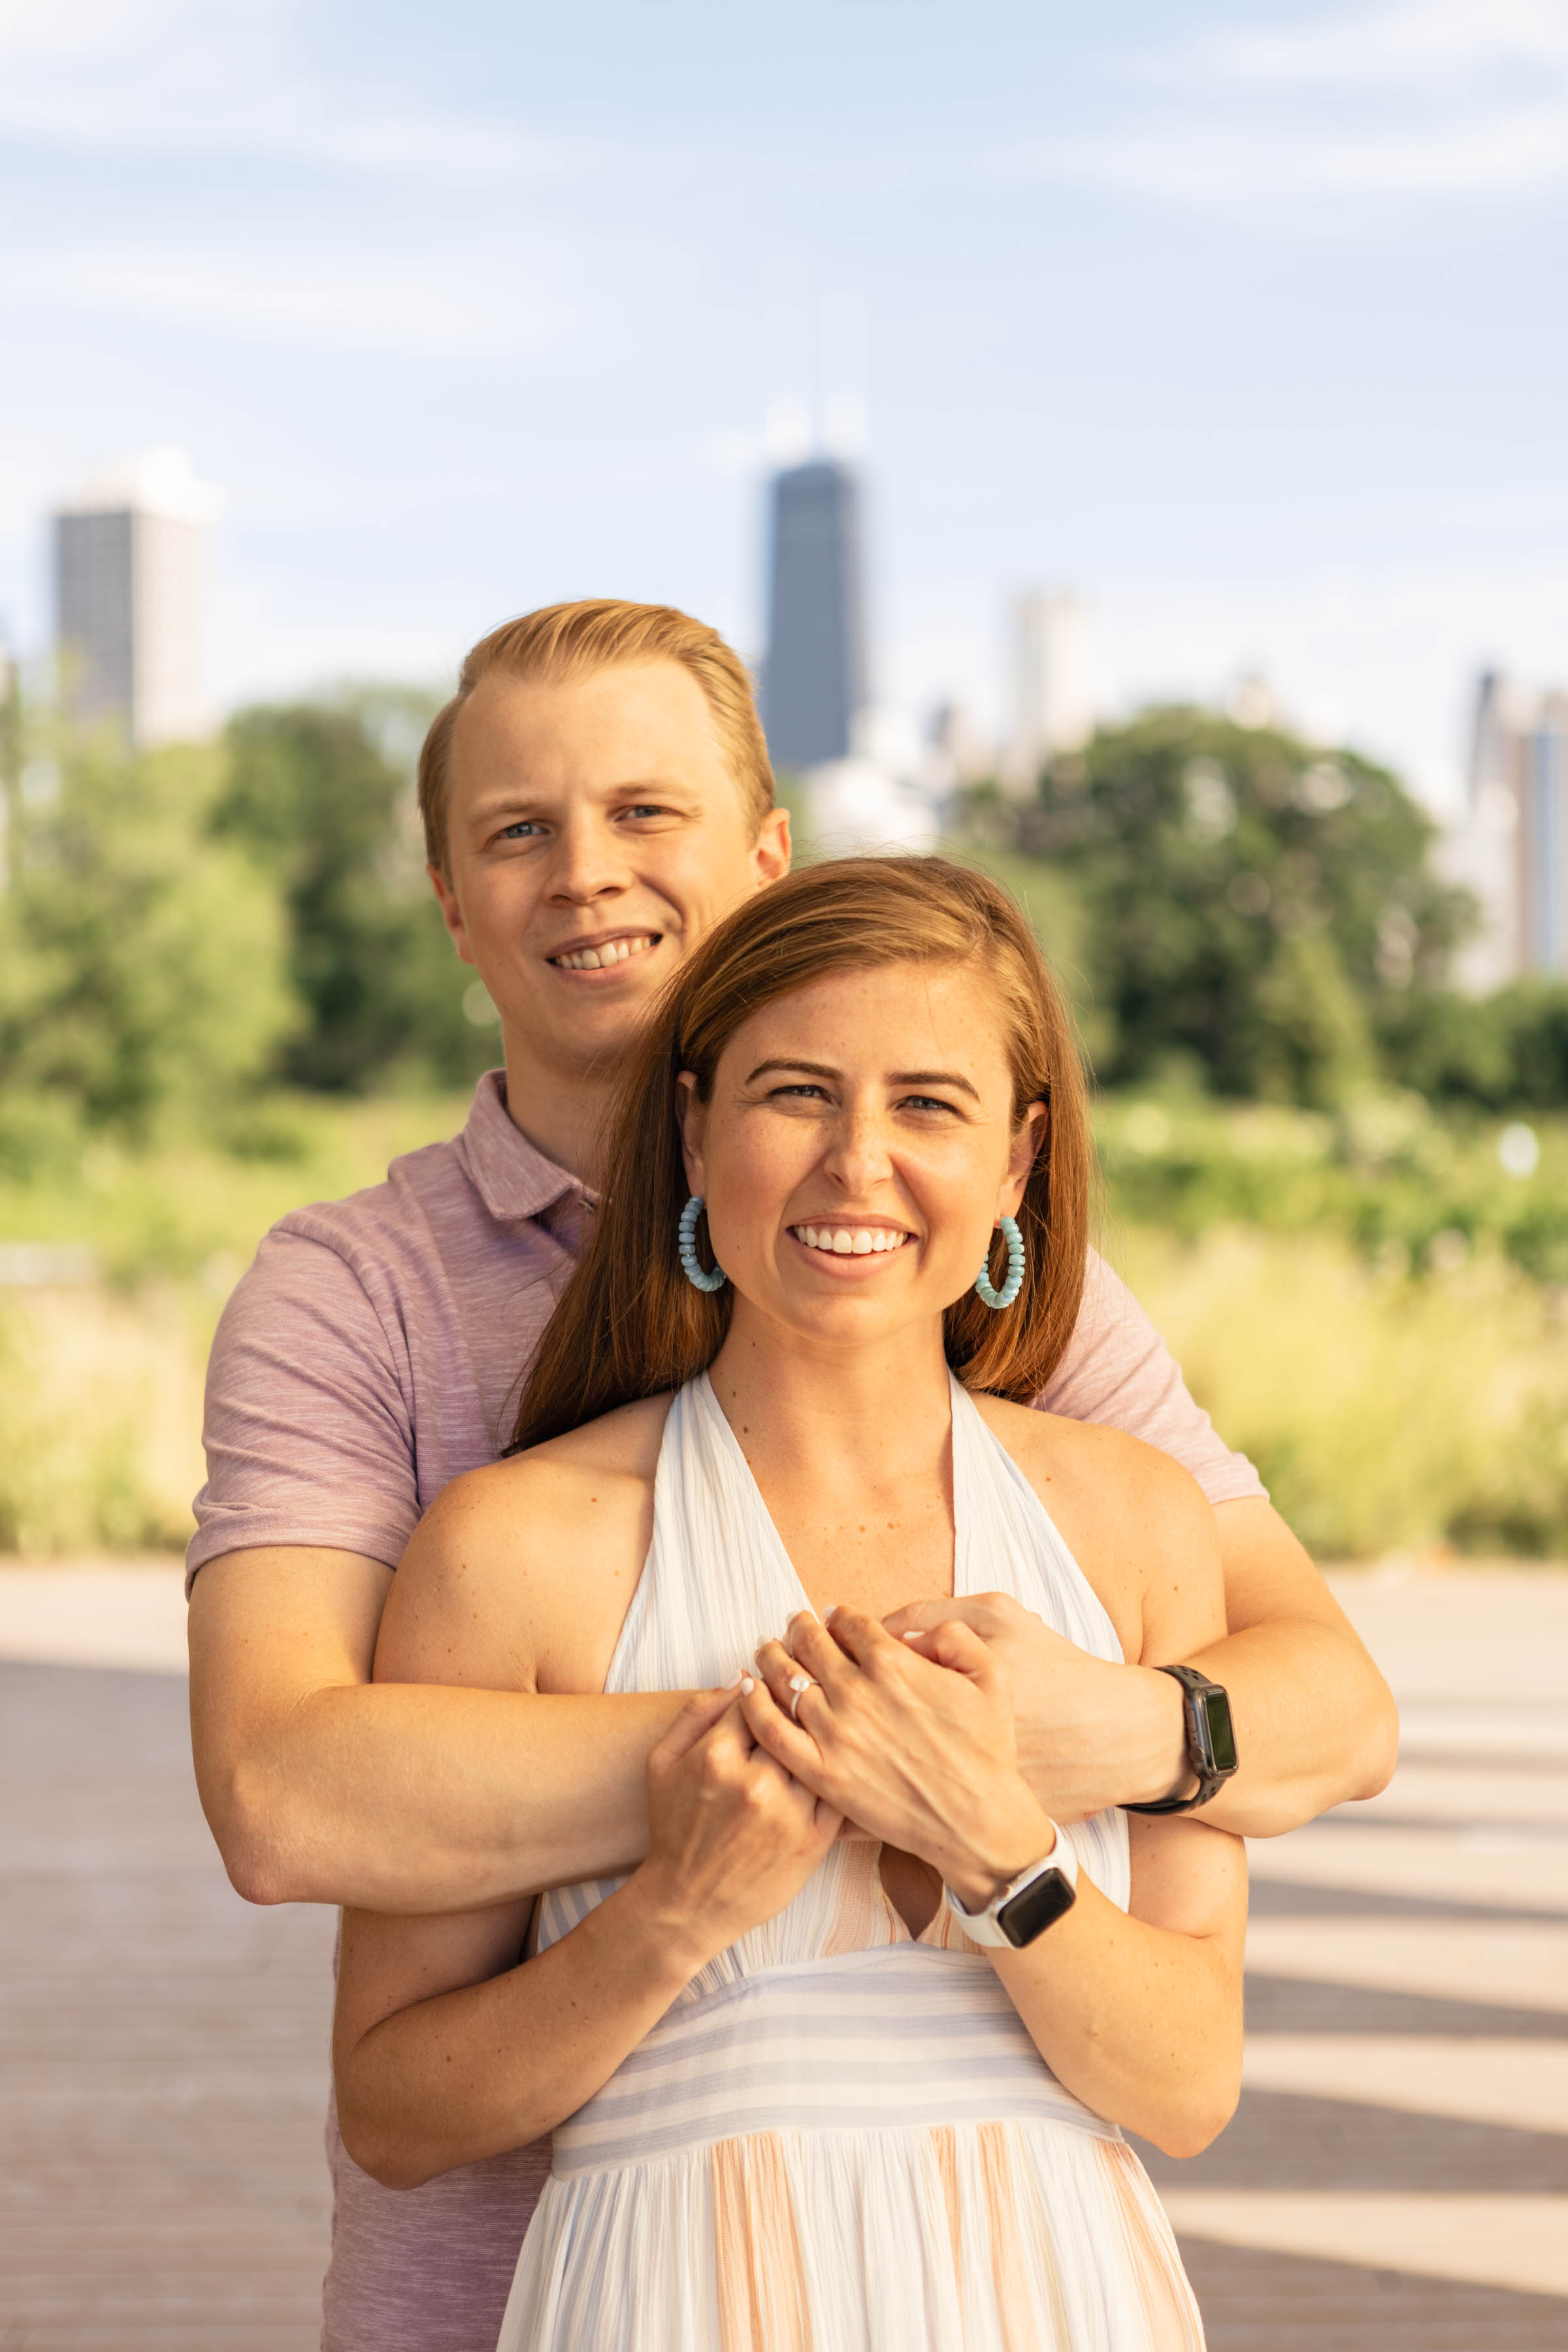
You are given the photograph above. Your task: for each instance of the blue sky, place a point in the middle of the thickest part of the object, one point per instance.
(1249, 321)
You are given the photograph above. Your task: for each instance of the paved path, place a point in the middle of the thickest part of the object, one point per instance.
(1397, 2179)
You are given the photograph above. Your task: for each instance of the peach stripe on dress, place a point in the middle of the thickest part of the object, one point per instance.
(1170, 2310)
(761, 2300)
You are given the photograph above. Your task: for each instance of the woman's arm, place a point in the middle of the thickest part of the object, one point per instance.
(1138, 2013)
(447, 2048)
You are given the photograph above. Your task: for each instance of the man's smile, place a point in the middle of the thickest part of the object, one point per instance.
(605, 951)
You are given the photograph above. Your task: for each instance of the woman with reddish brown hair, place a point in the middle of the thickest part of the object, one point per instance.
(844, 2063)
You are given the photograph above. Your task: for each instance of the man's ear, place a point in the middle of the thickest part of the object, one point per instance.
(451, 913)
(691, 1116)
(1030, 1141)
(771, 850)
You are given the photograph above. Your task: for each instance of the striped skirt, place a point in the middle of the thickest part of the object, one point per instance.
(864, 2154)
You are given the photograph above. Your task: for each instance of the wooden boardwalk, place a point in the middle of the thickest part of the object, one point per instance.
(162, 2045)
(162, 2058)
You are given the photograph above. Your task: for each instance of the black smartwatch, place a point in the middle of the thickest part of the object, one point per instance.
(1210, 1740)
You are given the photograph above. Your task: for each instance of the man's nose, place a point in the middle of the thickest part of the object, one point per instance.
(587, 864)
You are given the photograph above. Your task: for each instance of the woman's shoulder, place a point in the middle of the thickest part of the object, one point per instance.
(618, 1452)
(1052, 1450)
(513, 1559)
(1137, 1524)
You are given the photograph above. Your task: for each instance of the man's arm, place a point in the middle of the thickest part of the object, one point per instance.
(322, 1786)
(1315, 1722)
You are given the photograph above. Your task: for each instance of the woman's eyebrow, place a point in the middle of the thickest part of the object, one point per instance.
(895, 1077)
(812, 1070)
(934, 1079)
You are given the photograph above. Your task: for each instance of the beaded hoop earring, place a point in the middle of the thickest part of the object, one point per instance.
(691, 1264)
(985, 1290)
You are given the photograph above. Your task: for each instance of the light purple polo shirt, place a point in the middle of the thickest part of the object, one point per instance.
(374, 1352)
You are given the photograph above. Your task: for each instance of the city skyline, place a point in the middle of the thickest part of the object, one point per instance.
(1196, 308)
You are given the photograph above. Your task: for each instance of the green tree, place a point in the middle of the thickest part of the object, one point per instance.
(142, 962)
(1253, 902)
(319, 795)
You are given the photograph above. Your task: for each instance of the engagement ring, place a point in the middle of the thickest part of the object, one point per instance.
(799, 1685)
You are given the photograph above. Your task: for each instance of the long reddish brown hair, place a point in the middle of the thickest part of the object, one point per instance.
(629, 1324)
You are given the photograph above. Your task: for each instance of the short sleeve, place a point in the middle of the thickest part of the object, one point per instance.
(1118, 1370)
(309, 1426)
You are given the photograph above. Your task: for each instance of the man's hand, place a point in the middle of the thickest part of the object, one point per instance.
(1315, 1721)
(1088, 1733)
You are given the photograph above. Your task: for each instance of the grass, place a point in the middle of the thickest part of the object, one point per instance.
(1371, 1307)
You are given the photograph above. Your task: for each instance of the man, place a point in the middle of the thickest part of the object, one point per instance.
(595, 798)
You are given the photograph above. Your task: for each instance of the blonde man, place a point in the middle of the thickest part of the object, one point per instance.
(596, 794)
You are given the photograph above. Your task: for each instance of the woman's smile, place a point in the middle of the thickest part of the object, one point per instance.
(841, 1237)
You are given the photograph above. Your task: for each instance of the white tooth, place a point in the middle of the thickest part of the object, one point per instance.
(592, 959)
(806, 1234)
(860, 1243)
(843, 1243)
(880, 1242)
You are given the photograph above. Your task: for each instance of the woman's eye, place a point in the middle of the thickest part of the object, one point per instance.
(925, 1102)
(803, 1093)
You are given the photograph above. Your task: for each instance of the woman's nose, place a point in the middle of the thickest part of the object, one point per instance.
(858, 1155)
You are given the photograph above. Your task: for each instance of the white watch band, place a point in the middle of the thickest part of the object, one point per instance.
(982, 1927)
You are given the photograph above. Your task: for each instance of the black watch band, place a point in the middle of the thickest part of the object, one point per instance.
(1210, 1740)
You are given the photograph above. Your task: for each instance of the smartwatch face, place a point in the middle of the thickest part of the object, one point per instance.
(1216, 1723)
(1042, 1903)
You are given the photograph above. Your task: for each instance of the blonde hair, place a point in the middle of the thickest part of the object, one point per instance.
(561, 642)
(629, 1324)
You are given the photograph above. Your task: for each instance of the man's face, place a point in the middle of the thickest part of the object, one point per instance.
(595, 834)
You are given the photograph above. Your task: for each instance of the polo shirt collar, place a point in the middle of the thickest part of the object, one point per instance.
(512, 1177)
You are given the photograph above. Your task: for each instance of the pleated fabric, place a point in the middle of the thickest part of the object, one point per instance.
(840, 2138)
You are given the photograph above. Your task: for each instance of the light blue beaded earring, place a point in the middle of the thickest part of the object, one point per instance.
(990, 1296)
(691, 1264)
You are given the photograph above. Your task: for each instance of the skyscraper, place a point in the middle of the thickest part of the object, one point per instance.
(1511, 848)
(1053, 704)
(813, 680)
(131, 598)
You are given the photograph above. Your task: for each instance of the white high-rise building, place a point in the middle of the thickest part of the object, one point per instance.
(130, 549)
(1052, 685)
(1510, 848)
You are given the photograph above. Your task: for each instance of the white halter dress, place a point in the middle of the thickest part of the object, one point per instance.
(840, 2138)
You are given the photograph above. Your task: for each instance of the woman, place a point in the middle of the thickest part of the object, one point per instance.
(814, 2089)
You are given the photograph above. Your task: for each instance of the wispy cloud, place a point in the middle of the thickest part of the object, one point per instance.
(426, 303)
(1428, 99)
(1421, 41)
(189, 77)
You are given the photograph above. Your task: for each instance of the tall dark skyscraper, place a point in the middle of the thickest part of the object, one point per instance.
(814, 684)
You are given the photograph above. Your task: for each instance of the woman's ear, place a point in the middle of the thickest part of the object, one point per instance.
(1027, 1146)
(689, 1112)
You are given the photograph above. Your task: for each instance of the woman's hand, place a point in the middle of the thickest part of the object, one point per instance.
(912, 1739)
(732, 1836)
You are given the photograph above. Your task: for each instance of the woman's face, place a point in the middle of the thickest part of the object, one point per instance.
(858, 1148)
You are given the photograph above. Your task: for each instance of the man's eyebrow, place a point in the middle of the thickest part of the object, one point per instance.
(529, 797)
(897, 1077)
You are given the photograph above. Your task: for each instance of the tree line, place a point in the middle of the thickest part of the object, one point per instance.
(188, 927)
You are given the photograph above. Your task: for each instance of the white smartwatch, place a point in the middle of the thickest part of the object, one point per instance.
(1029, 1904)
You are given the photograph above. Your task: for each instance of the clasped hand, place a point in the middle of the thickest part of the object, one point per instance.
(912, 1737)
